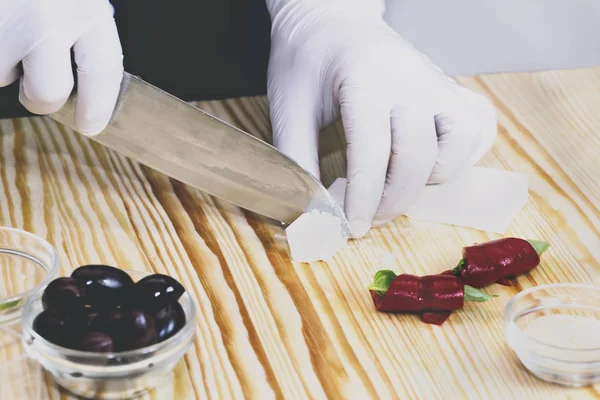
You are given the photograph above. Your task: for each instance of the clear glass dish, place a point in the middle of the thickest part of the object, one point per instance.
(108, 375)
(27, 264)
(555, 332)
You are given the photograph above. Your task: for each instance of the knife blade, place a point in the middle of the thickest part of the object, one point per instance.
(179, 140)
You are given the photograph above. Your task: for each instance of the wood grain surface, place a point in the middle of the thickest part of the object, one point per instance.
(271, 328)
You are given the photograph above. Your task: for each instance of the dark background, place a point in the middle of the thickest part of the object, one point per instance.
(193, 49)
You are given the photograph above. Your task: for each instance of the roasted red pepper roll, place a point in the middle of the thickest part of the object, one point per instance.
(414, 294)
(434, 297)
(498, 260)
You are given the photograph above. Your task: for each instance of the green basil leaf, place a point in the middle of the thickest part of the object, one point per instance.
(9, 305)
(472, 294)
(458, 269)
(539, 245)
(382, 281)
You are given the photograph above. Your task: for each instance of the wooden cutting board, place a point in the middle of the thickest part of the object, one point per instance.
(271, 328)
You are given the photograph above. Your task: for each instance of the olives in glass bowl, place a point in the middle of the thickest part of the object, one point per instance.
(107, 331)
(100, 308)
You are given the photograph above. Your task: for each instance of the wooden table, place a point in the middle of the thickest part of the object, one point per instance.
(271, 328)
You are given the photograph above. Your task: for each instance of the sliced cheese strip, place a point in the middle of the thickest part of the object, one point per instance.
(318, 236)
(484, 198)
(315, 236)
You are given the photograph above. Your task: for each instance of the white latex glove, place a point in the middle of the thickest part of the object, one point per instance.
(41, 33)
(405, 122)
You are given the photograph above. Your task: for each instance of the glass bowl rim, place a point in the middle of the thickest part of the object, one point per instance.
(187, 330)
(51, 271)
(509, 315)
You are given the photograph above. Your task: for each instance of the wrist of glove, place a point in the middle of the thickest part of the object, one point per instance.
(406, 123)
(36, 37)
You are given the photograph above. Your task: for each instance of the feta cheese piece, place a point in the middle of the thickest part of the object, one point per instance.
(484, 198)
(315, 236)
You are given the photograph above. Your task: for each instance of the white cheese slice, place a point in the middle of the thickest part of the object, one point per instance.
(316, 235)
(484, 198)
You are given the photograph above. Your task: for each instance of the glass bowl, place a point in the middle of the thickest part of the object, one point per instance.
(27, 264)
(555, 332)
(108, 375)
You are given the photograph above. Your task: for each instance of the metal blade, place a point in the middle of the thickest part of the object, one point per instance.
(192, 146)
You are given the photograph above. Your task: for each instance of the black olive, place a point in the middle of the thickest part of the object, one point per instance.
(140, 330)
(155, 292)
(169, 321)
(60, 328)
(110, 322)
(113, 324)
(63, 294)
(105, 287)
(52, 326)
(128, 329)
(91, 317)
(97, 342)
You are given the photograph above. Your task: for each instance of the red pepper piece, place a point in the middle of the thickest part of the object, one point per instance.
(435, 317)
(493, 261)
(412, 294)
(504, 282)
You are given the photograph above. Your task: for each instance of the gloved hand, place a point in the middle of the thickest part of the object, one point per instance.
(406, 123)
(40, 33)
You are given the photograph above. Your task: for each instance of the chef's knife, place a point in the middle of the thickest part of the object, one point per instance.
(192, 146)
